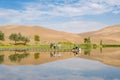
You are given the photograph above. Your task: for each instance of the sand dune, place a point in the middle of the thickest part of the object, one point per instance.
(46, 35)
(110, 35)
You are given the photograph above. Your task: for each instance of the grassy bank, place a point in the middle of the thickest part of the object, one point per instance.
(35, 48)
(110, 45)
(46, 47)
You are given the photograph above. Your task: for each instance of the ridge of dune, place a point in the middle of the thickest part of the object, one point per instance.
(46, 35)
(109, 34)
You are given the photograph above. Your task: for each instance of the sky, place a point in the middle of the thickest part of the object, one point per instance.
(74, 16)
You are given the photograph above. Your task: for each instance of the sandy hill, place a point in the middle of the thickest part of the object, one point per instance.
(46, 35)
(110, 34)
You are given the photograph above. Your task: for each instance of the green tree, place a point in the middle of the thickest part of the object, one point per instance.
(1, 35)
(87, 40)
(101, 42)
(14, 37)
(25, 39)
(37, 38)
(19, 36)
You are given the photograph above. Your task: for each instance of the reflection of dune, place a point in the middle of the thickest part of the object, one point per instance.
(34, 58)
(108, 56)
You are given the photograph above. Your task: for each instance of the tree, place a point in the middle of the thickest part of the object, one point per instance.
(1, 35)
(25, 39)
(14, 37)
(101, 42)
(37, 38)
(18, 37)
(87, 40)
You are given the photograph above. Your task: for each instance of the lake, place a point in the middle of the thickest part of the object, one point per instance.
(95, 64)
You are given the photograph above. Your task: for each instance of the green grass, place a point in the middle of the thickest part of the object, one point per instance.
(64, 46)
(26, 46)
(110, 45)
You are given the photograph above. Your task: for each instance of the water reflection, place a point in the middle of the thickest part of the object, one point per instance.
(108, 56)
(17, 57)
(101, 50)
(76, 53)
(1, 59)
(36, 55)
(69, 69)
(87, 51)
(60, 65)
(55, 54)
(31, 58)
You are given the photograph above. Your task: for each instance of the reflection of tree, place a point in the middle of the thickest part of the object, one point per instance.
(1, 58)
(101, 50)
(87, 51)
(18, 57)
(36, 55)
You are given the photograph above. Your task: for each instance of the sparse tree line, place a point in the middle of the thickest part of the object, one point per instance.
(18, 37)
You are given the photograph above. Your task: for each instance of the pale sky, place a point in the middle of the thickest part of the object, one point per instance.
(74, 16)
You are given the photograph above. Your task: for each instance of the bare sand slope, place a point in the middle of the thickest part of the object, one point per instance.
(46, 35)
(110, 35)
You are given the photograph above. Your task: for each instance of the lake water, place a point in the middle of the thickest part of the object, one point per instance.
(100, 64)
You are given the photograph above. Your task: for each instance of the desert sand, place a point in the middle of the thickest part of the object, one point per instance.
(46, 35)
(109, 35)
